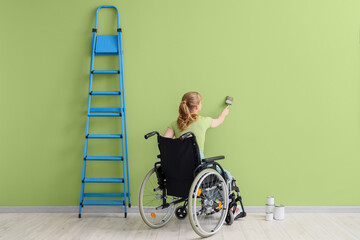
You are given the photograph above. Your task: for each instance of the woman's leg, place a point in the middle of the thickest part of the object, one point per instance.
(228, 174)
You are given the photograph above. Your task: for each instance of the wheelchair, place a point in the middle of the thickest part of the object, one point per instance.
(198, 186)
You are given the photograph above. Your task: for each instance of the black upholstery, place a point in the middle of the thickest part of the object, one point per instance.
(179, 158)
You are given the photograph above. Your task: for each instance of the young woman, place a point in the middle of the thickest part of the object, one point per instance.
(190, 121)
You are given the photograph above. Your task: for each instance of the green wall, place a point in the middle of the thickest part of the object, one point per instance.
(291, 66)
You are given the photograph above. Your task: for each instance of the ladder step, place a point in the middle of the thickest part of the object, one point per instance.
(116, 110)
(104, 93)
(105, 158)
(102, 202)
(104, 180)
(105, 72)
(111, 112)
(104, 136)
(104, 114)
(104, 194)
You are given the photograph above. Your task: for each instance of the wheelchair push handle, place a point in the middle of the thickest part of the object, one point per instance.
(151, 134)
(182, 137)
(186, 135)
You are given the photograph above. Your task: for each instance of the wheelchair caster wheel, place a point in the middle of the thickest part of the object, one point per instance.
(229, 218)
(181, 212)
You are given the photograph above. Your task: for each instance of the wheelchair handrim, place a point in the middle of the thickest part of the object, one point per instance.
(196, 222)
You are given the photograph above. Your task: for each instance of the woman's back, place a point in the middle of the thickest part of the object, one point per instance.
(199, 128)
(190, 121)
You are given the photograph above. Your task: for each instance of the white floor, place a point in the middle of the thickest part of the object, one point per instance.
(19, 226)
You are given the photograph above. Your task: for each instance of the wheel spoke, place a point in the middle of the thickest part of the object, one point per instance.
(149, 200)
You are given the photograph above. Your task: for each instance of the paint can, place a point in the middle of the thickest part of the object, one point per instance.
(269, 216)
(279, 213)
(270, 200)
(269, 208)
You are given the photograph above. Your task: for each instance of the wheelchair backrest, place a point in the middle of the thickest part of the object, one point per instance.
(179, 158)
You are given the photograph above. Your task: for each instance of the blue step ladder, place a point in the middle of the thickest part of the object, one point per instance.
(107, 45)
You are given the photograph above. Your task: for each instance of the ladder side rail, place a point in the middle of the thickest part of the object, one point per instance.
(87, 122)
(122, 127)
(122, 87)
(91, 77)
(106, 6)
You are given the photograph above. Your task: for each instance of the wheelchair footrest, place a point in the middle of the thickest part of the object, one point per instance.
(240, 215)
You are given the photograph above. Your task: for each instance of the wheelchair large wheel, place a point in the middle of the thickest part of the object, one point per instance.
(151, 200)
(208, 202)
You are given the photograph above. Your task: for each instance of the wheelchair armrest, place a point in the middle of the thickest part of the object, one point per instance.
(212, 159)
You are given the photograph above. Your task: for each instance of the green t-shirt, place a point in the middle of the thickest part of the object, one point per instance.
(198, 128)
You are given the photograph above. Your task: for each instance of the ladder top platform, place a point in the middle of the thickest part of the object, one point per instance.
(106, 45)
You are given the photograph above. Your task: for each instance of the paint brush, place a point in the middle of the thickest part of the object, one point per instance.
(229, 100)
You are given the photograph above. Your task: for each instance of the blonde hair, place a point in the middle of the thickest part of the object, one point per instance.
(189, 101)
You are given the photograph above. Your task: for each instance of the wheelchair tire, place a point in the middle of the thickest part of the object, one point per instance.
(208, 202)
(149, 200)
